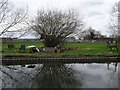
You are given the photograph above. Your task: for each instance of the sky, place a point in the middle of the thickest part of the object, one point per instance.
(96, 13)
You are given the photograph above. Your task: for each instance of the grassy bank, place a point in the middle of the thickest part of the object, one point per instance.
(75, 49)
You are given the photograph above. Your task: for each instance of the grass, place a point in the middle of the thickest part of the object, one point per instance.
(76, 49)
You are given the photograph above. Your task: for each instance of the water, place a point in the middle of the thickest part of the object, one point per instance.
(75, 75)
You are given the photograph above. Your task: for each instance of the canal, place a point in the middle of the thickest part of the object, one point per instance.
(61, 75)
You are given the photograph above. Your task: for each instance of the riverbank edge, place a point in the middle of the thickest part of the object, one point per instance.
(13, 60)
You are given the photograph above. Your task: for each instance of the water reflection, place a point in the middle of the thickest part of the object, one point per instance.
(55, 76)
(114, 64)
(14, 77)
(60, 76)
(42, 76)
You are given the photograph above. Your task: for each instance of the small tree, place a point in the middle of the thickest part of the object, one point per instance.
(54, 26)
(91, 34)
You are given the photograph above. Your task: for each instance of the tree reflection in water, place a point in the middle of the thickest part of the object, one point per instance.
(55, 76)
(13, 77)
(115, 65)
(51, 75)
(41, 76)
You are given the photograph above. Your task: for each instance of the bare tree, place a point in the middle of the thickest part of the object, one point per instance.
(115, 24)
(115, 21)
(54, 26)
(10, 18)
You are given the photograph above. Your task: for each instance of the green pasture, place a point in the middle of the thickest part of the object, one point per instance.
(75, 49)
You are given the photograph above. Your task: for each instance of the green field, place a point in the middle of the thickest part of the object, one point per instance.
(76, 49)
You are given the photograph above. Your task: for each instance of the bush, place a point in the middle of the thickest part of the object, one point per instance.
(11, 46)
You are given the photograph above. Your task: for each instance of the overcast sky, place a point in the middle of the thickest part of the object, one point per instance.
(96, 13)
